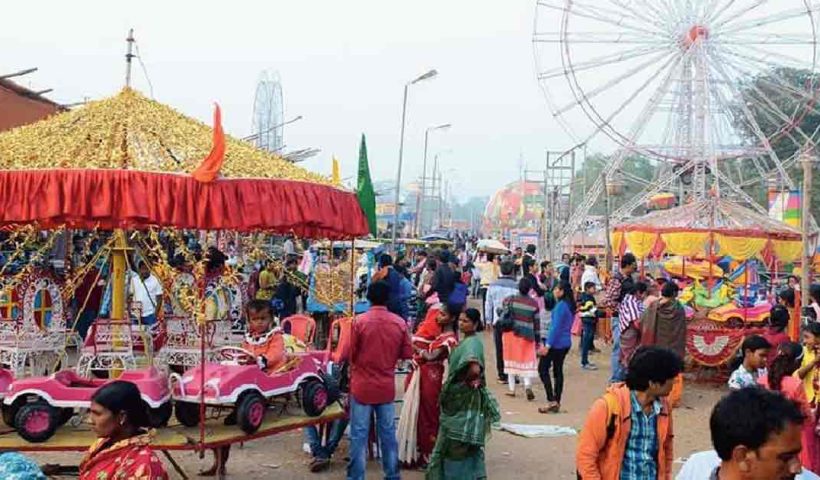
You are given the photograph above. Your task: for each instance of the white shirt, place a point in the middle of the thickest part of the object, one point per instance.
(289, 248)
(591, 275)
(146, 292)
(701, 465)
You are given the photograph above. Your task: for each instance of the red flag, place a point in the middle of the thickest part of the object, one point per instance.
(208, 170)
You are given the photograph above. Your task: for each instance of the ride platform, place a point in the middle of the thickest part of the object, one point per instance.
(174, 437)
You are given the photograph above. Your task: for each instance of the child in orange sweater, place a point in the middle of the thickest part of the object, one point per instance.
(267, 344)
(263, 339)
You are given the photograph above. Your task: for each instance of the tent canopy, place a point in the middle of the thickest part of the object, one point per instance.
(689, 230)
(125, 162)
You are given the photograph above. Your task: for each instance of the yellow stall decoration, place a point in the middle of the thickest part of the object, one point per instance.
(687, 244)
(641, 243)
(787, 251)
(740, 248)
(616, 239)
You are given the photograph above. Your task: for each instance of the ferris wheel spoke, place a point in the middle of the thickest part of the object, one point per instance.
(601, 61)
(765, 39)
(592, 195)
(716, 21)
(637, 13)
(767, 20)
(753, 124)
(616, 80)
(772, 108)
(764, 54)
(713, 10)
(597, 18)
(762, 172)
(672, 6)
(739, 191)
(642, 120)
(606, 38)
(811, 99)
(765, 60)
(627, 208)
(597, 9)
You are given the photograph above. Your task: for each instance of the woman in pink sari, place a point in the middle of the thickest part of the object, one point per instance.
(781, 379)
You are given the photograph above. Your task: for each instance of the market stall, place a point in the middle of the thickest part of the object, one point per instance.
(715, 247)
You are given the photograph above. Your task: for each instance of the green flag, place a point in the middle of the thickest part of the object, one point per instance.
(364, 189)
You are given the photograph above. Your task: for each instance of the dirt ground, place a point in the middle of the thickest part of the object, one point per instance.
(508, 456)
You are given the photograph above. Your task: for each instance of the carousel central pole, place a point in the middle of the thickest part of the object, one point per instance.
(118, 275)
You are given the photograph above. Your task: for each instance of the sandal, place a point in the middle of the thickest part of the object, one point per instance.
(510, 394)
(530, 395)
(551, 407)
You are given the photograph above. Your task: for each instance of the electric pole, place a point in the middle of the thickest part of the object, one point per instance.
(805, 221)
(129, 56)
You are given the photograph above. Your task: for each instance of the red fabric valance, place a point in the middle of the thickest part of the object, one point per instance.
(137, 199)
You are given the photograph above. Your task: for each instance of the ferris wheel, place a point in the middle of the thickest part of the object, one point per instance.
(716, 92)
(267, 127)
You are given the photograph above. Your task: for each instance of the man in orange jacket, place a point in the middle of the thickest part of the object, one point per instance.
(628, 432)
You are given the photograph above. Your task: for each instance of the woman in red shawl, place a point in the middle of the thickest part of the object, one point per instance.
(122, 451)
(419, 420)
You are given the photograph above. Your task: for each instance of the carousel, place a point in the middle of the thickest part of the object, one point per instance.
(725, 257)
(92, 195)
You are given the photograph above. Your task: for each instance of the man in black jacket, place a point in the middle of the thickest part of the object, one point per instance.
(444, 280)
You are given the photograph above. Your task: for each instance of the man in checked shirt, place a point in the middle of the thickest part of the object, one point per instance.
(613, 296)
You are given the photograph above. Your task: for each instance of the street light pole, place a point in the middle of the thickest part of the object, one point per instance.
(420, 196)
(430, 74)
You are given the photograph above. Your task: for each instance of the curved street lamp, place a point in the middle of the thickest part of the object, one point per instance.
(432, 73)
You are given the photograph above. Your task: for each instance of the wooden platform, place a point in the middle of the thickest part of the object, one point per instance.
(175, 437)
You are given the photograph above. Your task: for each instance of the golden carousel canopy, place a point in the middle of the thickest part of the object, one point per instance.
(126, 162)
(689, 230)
(130, 131)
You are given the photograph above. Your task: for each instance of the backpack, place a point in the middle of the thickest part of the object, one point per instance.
(458, 295)
(613, 409)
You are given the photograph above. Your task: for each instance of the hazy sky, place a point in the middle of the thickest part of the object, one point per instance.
(343, 66)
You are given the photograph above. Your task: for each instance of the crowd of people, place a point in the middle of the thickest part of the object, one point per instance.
(418, 315)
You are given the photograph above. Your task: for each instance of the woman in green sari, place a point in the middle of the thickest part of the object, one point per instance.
(468, 410)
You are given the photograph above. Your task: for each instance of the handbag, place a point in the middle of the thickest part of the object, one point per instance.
(577, 325)
(505, 323)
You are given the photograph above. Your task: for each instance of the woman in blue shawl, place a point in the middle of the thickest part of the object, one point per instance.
(468, 410)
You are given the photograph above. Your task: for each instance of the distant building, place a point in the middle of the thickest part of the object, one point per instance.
(21, 106)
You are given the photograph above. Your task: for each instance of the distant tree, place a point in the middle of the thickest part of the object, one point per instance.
(585, 177)
(769, 97)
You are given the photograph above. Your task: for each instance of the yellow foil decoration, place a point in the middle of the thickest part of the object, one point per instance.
(131, 131)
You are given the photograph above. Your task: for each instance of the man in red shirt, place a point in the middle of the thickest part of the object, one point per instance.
(378, 340)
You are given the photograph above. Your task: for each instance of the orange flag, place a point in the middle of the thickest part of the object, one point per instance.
(208, 170)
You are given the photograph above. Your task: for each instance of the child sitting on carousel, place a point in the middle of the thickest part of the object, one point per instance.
(263, 339)
(267, 344)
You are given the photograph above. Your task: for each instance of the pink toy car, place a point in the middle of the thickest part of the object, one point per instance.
(239, 383)
(37, 406)
(6, 379)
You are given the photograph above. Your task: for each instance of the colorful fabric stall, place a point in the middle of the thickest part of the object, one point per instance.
(787, 251)
(739, 248)
(641, 243)
(690, 230)
(687, 244)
